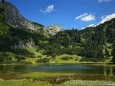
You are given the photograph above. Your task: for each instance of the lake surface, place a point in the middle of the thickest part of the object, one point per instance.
(104, 70)
(72, 68)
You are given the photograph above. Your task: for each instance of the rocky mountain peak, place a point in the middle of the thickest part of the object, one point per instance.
(53, 29)
(16, 20)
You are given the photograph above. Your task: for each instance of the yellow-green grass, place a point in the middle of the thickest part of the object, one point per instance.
(43, 75)
(88, 83)
(59, 60)
(108, 60)
(34, 51)
(24, 82)
(31, 60)
(30, 82)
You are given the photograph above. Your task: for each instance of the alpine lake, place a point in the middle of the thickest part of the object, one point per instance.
(59, 73)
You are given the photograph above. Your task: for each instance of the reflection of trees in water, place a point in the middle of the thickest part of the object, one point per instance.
(111, 72)
(108, 72)
(3, 68)
(7, 68)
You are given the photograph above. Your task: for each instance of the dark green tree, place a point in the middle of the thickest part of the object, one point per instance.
(3, 56)
(107, 52)
(113, 53)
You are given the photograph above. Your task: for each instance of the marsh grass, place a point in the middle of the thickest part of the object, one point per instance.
(87, 83)
(43, 75)
(66, 76)
(30, 82)
(24, 82)
(8, 75)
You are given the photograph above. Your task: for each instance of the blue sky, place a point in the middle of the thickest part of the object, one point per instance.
(67, 13)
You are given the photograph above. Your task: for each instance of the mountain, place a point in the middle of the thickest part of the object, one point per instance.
(16, 20)
(22, 39)
(53, 29)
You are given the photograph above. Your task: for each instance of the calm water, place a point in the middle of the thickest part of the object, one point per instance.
(104, 70)
(78, 68)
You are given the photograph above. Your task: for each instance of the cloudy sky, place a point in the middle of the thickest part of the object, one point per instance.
(67, 13)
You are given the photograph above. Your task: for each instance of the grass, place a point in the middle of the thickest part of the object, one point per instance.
(24, 82)
(31, 60)
(75, 58)
(43, 75)
(30, 82)
(87, 83)
(59, 60)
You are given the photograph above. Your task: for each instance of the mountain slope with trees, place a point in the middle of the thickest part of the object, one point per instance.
(19, 42)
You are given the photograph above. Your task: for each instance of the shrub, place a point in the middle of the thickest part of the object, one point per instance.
(66, 58)
(43, 60)
(76, 59)
(39, 56)
(24, 52)
(19, 58)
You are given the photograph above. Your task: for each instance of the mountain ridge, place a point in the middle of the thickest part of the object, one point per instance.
(48, 43)
(16, 20)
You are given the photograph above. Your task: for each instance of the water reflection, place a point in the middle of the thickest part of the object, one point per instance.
(108, 72)
(102, 72)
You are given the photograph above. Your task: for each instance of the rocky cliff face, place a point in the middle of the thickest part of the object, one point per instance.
(22, 32)
(53, 29)
(14, 19)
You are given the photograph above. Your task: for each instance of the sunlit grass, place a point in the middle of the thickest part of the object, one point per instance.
(24, 83)
(43, 75)
(87, 83)
(30, 82)
(59, 60)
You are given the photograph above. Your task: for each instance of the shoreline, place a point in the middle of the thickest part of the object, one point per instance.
(48, 64)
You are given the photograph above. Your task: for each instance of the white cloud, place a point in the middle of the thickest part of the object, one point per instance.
(89, 17)
(86, 17)
(49, 9)
(107, 18)
(78, 17)
(91, 25)
(100, 1)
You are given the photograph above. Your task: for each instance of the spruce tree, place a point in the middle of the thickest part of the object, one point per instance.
(107, 52)
(113, 53)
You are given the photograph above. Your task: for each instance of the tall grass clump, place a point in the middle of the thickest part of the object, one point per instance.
(24, 82)
(87, 83)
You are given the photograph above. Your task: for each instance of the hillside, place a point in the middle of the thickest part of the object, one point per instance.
(25, 41)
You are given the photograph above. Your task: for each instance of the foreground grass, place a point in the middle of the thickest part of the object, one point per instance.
(43, 75)
(24, 83)
(87, 83)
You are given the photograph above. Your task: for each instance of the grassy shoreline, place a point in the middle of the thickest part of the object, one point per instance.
(30, 82)
(90, 63)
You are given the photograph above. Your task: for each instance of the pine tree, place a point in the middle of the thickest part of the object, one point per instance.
(113, 53)
(107, 52)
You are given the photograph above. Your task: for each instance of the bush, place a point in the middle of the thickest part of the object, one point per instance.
(66, 58)
(43, 60)
(4, 56)
(70, 57)
(9, 58)
(39, 56)
(19, 58)
(92, 59)
(76, 59)
(24, 52)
